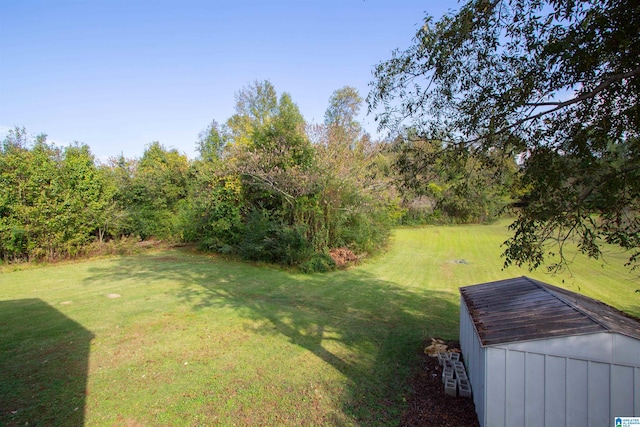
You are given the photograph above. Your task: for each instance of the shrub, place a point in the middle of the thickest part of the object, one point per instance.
(320, 262)
(270, 240)
(365, 232)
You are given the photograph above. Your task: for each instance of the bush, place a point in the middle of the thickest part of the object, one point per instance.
(365, 233)
(320, 262)
(288, 245)
(270, 240)
(257, 229)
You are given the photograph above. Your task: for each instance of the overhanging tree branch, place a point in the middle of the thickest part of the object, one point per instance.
(491, 74)
(602, 86)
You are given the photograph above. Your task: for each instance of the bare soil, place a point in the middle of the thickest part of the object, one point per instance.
(429, 405)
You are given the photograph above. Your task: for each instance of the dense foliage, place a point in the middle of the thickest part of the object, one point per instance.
(294, 197)
(556, 82)
(266, 186)
(261, 188)
(53, 202)
(441, 186)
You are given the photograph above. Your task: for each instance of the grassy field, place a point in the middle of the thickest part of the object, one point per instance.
(177, 338)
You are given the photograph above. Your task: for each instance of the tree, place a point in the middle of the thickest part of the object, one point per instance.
(151, 191)
(357, 204)
(255, 106)
(215, 207)
(213, 215)
(88, 197)
(269, 145)
(341, 115)
(53, 202)
(211, 142)
(554, 81)
(284, 135)
(450, 186)
(249, 203)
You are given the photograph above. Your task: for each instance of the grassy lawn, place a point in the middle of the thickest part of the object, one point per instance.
(198, 340)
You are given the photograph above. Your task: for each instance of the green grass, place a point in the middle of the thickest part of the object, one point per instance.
(197, 340)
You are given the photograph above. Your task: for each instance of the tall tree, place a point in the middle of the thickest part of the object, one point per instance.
(270, 145)
(357, 204)
(556, 81)
(53, 202)
(273, 156)
(89, 197)
(151, 191)
(256, 104)
(213, 217)
(341, 116)
(212, 142)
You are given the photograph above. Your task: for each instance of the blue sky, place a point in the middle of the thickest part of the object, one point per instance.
(118, 75)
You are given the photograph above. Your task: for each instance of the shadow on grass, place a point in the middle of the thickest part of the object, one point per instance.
(44, 359)
(368, 329)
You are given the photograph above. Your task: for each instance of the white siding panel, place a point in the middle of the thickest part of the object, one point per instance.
(622, 391)
(598, 383)
(479, 398)
(495, 392)
(627, 350)
(534, 390)
(555, 391)
(515, 388)
(636, 393)
(589, 347)
(473, 355)
(598, 347)
(577, 392)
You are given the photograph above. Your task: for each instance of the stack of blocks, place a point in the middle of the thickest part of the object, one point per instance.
(454, 375)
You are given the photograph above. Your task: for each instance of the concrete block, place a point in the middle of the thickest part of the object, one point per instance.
(454, 356)
(450, 387)
(461, 375)
(442, 356)
(447, 374)
(464, 388)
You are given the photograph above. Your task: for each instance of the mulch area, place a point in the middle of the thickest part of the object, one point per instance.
(429, 405)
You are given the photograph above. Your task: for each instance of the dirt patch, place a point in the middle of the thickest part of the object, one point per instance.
(343, 257)
(113, 296)
(429, 405)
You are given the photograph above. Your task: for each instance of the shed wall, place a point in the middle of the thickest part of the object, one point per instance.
(531, 388)
(580, 380)
(474, 359)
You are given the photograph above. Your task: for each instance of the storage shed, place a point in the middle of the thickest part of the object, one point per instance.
(539, 355)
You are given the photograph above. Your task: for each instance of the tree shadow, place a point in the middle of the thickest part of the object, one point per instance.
(368, 329)
(44, 359)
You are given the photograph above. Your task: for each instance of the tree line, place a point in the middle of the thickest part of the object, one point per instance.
(266, 186)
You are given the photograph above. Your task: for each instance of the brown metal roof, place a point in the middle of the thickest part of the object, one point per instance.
(522, 309)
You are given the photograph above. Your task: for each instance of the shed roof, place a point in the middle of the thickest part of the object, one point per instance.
(522, 309)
